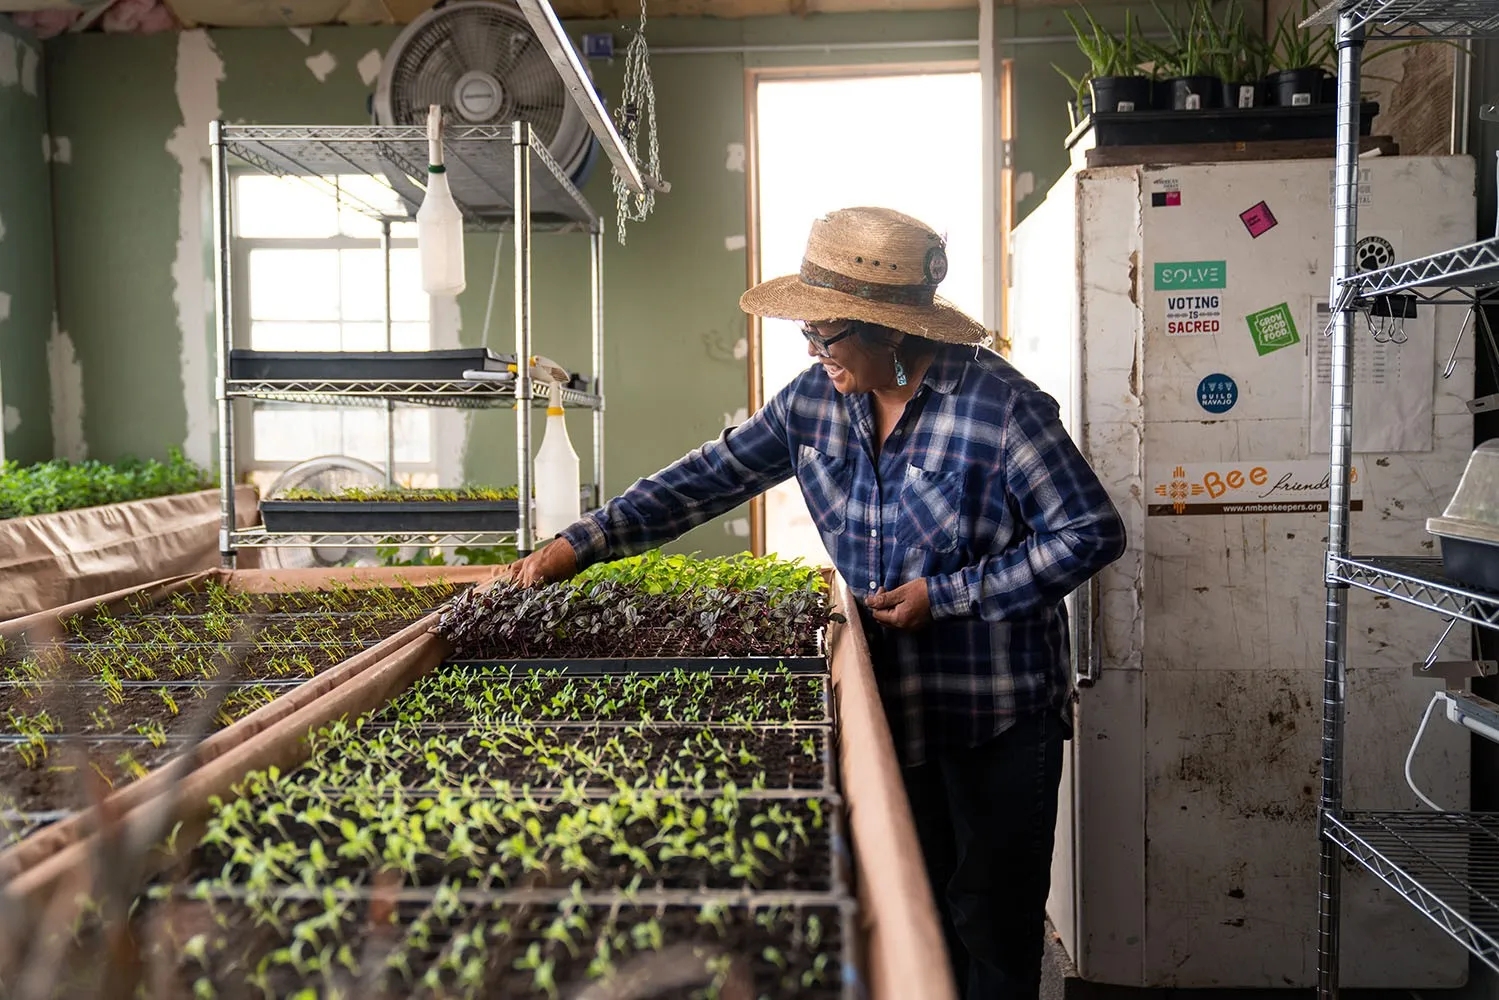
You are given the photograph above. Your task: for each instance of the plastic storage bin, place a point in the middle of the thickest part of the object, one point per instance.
(1469, 529)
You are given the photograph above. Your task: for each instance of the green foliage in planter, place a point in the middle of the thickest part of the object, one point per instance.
(658, 573)
(58, 485)
(1294, 47)
(1193, 48)
(1108, 54)
(362, 494)
(463, 555)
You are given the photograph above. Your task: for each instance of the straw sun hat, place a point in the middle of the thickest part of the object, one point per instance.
(874, 265)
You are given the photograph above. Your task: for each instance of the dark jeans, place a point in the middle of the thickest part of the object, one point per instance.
(986, 819)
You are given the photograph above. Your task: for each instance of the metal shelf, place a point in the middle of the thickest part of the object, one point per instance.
(1436, 278)
(1445, 864)
(1389, 18)
(1419, 582)
(461, 394)
(479, 158)
(259, 538)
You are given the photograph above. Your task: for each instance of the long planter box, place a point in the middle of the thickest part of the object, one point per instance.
(48, 560)
(301, 366)
(375, 516)
(57, 836)
(905, 954)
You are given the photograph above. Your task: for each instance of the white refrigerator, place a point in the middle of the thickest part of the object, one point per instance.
(1176, 313)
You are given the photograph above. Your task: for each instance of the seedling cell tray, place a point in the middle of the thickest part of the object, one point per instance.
(652, 665)
(1472, 563)
(298, 366)
(352, 516)
(1175, 128)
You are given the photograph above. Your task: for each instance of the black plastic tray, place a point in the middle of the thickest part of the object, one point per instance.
(352, 516)
(653, 665)
(1174, 128)
(293, 366)
(1474, 564)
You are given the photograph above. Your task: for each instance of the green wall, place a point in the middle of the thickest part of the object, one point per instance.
(26, 298)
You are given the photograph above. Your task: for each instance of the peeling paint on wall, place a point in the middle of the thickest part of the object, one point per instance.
(62, 149)
(741, 348)
(29, 62)
(303, 35)
(12, 419)
(199, 73)
(322, 64)
(734, 242)
(369, 66)
(10, 65)
(2, 229)
(46, 142)
(736, 158)
(66, 376)
(736, 418)
(738, 527)
(4, 306)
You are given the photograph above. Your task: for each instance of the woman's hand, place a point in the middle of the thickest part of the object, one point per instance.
(552, 562)
(908, 606)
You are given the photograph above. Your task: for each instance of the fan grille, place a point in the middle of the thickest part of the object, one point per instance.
(484, 66)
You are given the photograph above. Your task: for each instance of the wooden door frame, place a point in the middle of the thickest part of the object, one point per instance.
(753, 332)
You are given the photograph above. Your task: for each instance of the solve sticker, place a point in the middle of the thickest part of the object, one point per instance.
(1272, 329)
(1177, 275)
(1217, 393)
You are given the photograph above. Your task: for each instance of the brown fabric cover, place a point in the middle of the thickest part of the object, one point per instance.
(50, 560)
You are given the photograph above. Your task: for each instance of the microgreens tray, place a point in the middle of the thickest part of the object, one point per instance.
(652, 665)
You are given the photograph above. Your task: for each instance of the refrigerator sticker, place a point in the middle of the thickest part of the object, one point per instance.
(1393, 388)
(1165, 192)
(1259, 220)
(1239, 488)
(1189, 274)
(1193, 315)
(1364, 195)
(1217, 393)
(1272, 329)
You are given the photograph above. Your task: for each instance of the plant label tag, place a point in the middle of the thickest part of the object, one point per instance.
(1194, 102)
(1301, 100)
(1125, 106)
(1246, 97)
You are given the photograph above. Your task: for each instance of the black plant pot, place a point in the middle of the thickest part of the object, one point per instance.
(1299, 88)
(1329, 89)
(1247, 94)
(1121, 93)
(1195, 93)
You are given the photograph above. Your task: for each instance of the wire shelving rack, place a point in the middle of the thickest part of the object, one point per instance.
(490, 172)
(1444, 864)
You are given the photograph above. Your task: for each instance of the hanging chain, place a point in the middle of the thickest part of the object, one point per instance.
(639, 99)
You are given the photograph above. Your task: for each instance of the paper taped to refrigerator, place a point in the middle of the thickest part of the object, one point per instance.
(1393, 389)
(1248, 487)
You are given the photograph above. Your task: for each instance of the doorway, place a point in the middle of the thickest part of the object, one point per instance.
(907, 139)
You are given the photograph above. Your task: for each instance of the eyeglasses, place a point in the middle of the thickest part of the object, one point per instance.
(820, 343)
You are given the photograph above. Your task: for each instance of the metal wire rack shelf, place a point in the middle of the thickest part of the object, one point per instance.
(1444, 864)
(1392, 18)
(1449, 276)
(1418, 582)
(490, 173)
(462, 394)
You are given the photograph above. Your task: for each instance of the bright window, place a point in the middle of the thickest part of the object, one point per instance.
(310, 276)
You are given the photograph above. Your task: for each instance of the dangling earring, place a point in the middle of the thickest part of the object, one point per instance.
(900, 372)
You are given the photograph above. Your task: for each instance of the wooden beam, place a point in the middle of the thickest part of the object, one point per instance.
(1230, 152)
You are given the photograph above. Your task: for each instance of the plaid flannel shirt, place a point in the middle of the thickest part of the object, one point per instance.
(978, 489)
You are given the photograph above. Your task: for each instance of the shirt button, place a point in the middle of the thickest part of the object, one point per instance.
(874, 585)
(874, 532)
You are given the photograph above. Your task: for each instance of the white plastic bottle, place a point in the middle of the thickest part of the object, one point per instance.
(439, 226)
(557, 484)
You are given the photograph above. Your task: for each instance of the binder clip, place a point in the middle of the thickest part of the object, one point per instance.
(1392, 311)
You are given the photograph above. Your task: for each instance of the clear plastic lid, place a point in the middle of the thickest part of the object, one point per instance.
(1473, 513)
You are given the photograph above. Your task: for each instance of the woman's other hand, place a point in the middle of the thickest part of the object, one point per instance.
(554, 561)
(906, 607)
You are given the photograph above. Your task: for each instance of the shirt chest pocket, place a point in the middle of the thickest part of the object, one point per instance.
(931, 505)
(825, 483)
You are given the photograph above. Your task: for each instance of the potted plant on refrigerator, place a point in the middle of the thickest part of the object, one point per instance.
(1241, 60)
(1185, 64)
(1299, 59)
(1113, 81)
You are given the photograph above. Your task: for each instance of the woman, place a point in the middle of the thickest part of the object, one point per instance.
(958, 510)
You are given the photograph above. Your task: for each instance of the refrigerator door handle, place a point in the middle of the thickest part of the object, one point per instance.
(1086, 663)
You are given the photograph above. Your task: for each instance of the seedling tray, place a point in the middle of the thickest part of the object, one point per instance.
(1174, 128)
(724, 665)
(55, 785)
(300, 366)
(433, 516)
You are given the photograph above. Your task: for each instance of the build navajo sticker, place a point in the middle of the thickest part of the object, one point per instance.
(1230, 488)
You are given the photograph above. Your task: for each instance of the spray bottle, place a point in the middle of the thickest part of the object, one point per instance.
(558, 503)
(439, 227)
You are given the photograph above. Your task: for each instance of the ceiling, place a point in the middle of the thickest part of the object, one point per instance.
(307, 13)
